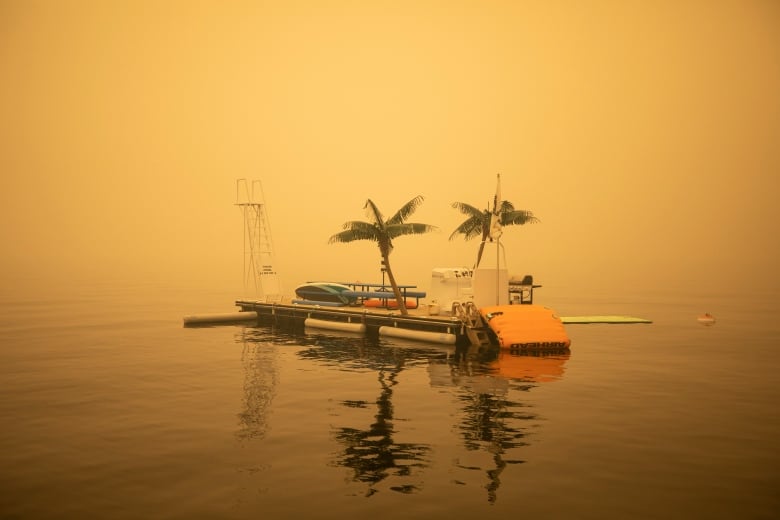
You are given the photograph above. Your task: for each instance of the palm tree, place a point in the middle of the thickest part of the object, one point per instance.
(383, 232)
(478, 222)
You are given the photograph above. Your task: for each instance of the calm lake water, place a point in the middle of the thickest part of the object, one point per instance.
(112, 409)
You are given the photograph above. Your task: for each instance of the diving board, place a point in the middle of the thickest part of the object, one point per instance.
(602, 319)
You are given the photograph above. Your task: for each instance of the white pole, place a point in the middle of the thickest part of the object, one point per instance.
(498, 299)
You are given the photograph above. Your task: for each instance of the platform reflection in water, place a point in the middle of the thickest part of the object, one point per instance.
(384, 444)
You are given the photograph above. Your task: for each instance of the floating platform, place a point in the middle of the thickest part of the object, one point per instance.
(418, 325)
(526, 327)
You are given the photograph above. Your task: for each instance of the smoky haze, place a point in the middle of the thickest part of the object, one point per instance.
(642, 135)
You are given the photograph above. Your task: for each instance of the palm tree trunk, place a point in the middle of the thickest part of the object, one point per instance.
(479, 254)
(485, 235)
(396, 291)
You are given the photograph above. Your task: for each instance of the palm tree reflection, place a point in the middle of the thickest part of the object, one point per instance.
(372, 453)
(491, 421)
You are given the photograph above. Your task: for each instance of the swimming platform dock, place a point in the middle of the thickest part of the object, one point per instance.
(462, 325)
(422, 323)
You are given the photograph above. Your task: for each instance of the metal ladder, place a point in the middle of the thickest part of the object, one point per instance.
(476, 329)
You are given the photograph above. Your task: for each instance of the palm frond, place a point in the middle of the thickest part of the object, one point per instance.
(359, 225)
(469, 229)
(518, 217)
(356, 230)
(408, 228)
(373, 213)
(406, 211)
(467, 209)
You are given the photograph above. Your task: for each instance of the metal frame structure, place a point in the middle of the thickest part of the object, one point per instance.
(259, 262)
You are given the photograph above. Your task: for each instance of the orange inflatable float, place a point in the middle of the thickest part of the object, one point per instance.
(526, 327)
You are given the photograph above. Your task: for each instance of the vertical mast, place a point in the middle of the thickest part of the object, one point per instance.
(259, 264)
(496, 231)
(490, 284)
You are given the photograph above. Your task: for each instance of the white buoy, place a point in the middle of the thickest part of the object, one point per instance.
(334, 325)
(227, 317)
(420, 335)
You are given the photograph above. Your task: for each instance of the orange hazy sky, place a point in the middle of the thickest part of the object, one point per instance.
(643, 135)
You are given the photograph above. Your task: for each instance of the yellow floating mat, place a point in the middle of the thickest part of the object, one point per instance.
(526, 327)
(603, 319)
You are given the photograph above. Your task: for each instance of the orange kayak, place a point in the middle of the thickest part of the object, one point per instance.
(389, 303)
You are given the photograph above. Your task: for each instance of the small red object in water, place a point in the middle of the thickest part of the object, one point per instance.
(706, 318)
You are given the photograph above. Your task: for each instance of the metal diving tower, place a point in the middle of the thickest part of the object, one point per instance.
(259, 264)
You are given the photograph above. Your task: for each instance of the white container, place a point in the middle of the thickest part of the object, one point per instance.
(449, 284)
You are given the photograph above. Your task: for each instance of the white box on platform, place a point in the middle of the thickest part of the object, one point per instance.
(448, 285)
(491, 287)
